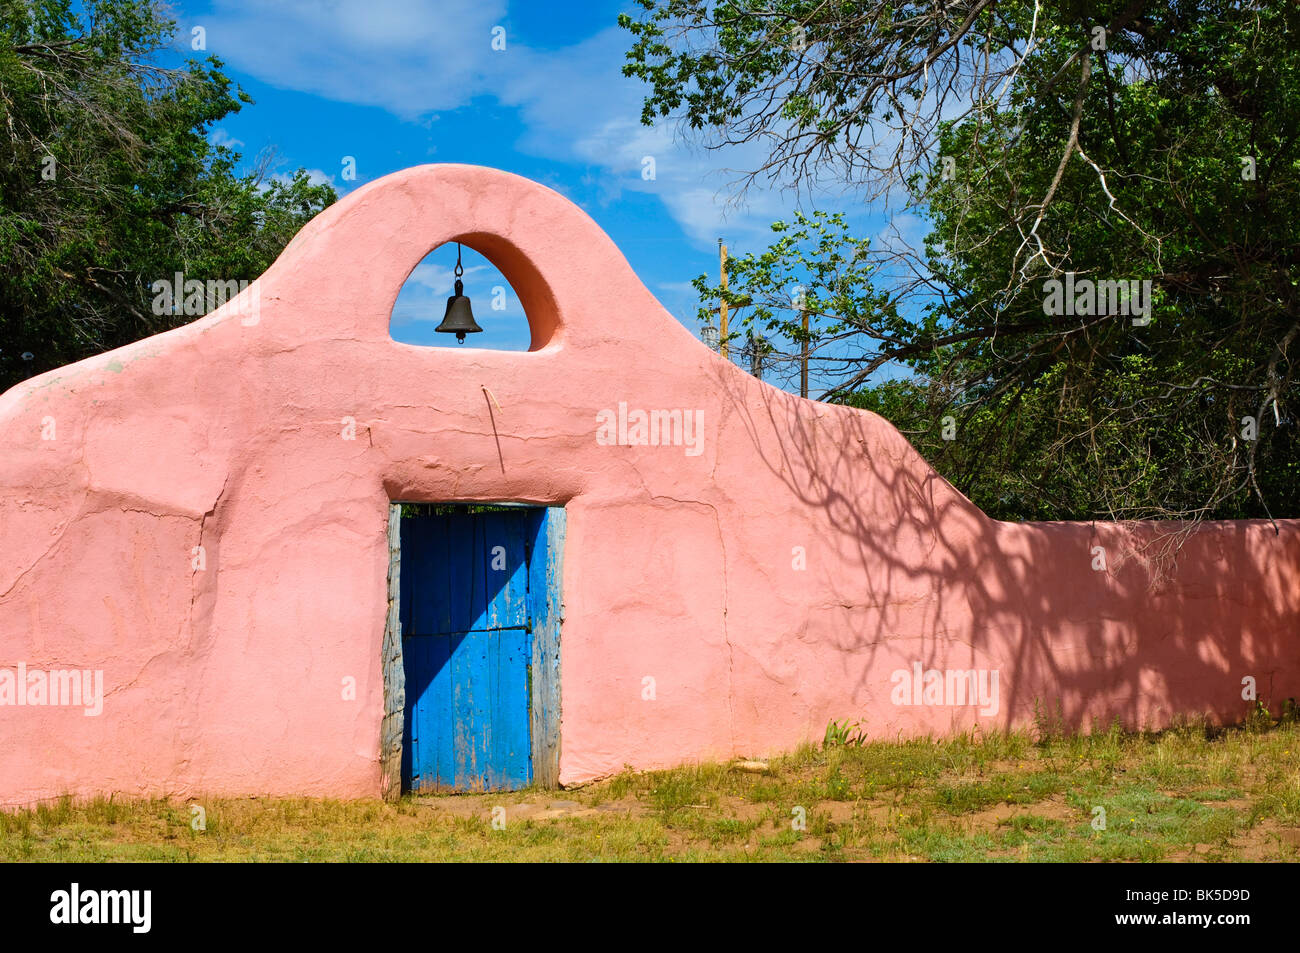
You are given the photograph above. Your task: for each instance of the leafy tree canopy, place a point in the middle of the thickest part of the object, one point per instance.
(1102, 318)
(108, 182)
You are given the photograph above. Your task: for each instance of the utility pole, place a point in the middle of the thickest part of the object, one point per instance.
(722, 311)
(803, 356)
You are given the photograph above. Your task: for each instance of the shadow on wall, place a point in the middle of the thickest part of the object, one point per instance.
(1169, 625)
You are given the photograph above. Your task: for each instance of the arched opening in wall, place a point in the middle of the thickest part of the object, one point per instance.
(497, 308)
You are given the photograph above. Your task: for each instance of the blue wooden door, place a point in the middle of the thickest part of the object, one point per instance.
(466, 650)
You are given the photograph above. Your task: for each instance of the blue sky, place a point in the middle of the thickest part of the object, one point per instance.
(396, 83)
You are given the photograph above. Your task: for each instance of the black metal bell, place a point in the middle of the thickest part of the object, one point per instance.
(459, 319)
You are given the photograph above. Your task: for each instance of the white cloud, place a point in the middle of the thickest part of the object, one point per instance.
(224, 139)
(417, 57)
(410, 57)
(314, 177)
(904, 230)
(676, 287)
(440, 278)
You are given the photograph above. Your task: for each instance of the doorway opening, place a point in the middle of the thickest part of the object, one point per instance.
(477, 615)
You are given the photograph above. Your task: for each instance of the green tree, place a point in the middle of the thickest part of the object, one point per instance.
(108, 181)
(1114, 141)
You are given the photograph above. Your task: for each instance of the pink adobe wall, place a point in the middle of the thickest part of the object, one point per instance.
(226, 433)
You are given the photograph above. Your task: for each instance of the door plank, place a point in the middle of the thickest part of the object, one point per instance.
(469, 648)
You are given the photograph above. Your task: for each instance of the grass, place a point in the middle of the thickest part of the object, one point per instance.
(1190, 793)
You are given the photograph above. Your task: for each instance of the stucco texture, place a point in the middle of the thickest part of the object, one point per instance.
(228, 434)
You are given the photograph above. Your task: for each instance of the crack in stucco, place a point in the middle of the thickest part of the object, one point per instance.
(203, 525)
(86, 491)
(41, 558)
(726, 634)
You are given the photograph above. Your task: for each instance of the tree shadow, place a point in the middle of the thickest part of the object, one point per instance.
(1136, 638)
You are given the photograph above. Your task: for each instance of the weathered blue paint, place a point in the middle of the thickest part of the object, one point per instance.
(473, 586)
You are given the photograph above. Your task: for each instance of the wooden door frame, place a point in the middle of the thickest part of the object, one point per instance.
(393, 670)
(546, 608)
(546, 527)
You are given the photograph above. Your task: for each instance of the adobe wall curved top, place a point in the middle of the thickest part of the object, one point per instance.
(337, 281)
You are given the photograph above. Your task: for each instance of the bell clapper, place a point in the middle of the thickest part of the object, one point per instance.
(459, 319)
